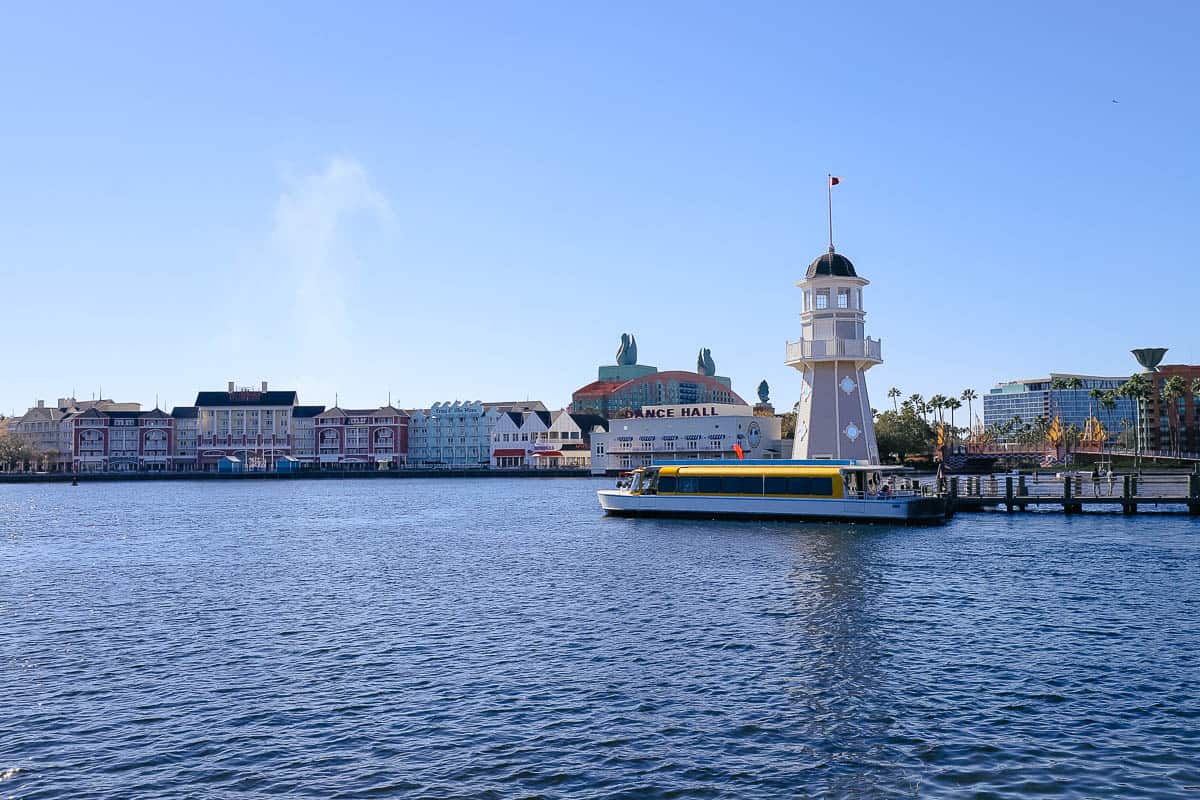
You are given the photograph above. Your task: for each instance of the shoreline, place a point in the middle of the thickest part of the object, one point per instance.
(107, 477)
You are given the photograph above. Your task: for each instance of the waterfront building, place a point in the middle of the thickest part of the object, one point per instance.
(349, 438)
(833, 354)
(183, 451)
(304, 436)
(48, 431)
(544, 439)
(38, 428)
(458, 434)
(1172, 425)
(624, 387)
(1062, 395)
(685, 432)
(121, 441)
(253, 425)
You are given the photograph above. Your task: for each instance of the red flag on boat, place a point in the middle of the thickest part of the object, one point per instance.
(737, 448)
(834, 181)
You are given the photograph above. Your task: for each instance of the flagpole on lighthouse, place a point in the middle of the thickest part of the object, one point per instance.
(829, 191)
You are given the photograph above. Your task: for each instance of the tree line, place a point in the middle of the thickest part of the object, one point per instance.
(909, 428)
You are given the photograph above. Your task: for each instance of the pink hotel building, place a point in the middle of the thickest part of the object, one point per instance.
(257, 427)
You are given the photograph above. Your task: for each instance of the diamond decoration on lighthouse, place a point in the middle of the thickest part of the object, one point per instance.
(802, 431)
(848, 385)
(852, 431)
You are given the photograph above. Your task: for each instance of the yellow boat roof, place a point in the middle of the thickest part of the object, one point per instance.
(755, 469)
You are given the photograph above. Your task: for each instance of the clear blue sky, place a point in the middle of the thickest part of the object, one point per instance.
(474, 201)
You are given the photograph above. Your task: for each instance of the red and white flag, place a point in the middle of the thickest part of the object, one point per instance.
(834, 181)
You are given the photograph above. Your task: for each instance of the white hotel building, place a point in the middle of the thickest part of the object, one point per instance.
(458, 435)
(680, 432)
(544, 439)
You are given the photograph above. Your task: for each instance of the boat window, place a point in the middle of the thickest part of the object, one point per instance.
(666, 483)
(731, 485)
(800, 486)
(752, 485)
(710, 485)
(820, 487)
(689, 485)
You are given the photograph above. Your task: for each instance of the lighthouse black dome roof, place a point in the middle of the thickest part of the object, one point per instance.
(834, 264)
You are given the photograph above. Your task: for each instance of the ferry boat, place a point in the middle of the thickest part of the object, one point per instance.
(819, 489)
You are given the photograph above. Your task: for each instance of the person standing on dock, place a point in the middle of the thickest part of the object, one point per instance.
(1110, 476)
(1095, 481)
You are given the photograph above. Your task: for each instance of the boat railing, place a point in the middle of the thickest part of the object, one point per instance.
(891, 494)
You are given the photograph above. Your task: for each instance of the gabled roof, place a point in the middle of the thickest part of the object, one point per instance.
(341, 413)
(544, 416)
(185, 412)
(588, 421)
(517, 417)
(35, 413)
(517, 405)
(268, 398)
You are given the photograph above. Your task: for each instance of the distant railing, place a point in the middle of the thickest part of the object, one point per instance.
(834, 348)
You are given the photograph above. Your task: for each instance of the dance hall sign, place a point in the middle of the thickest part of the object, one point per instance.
(692, 410)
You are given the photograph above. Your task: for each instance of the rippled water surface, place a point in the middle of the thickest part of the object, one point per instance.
(499, 638)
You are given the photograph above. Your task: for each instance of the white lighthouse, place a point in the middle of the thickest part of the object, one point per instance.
(833, 356)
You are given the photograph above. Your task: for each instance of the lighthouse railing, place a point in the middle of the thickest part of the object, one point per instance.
(834, 348)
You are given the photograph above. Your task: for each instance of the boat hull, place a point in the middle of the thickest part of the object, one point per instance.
(899, 509)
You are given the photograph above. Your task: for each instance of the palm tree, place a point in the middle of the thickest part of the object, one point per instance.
(1095, 395)
(918, 403)
(937, 403)
(1074, 382)
(1071, 436)
(894, 393)
(1173, 389)
(953, 404)
(970, 396)
(1137, 389)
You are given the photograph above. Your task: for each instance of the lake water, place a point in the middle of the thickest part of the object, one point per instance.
(499, 638)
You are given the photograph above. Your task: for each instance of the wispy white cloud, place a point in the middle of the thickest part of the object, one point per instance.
(300, 271)
(310, 244)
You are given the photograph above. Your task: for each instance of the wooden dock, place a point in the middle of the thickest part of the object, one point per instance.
(1171, 493)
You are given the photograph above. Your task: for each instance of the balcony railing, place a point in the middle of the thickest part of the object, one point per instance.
(868, 349)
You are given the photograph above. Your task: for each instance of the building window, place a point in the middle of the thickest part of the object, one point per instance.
(843, 298)
(822, 299)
